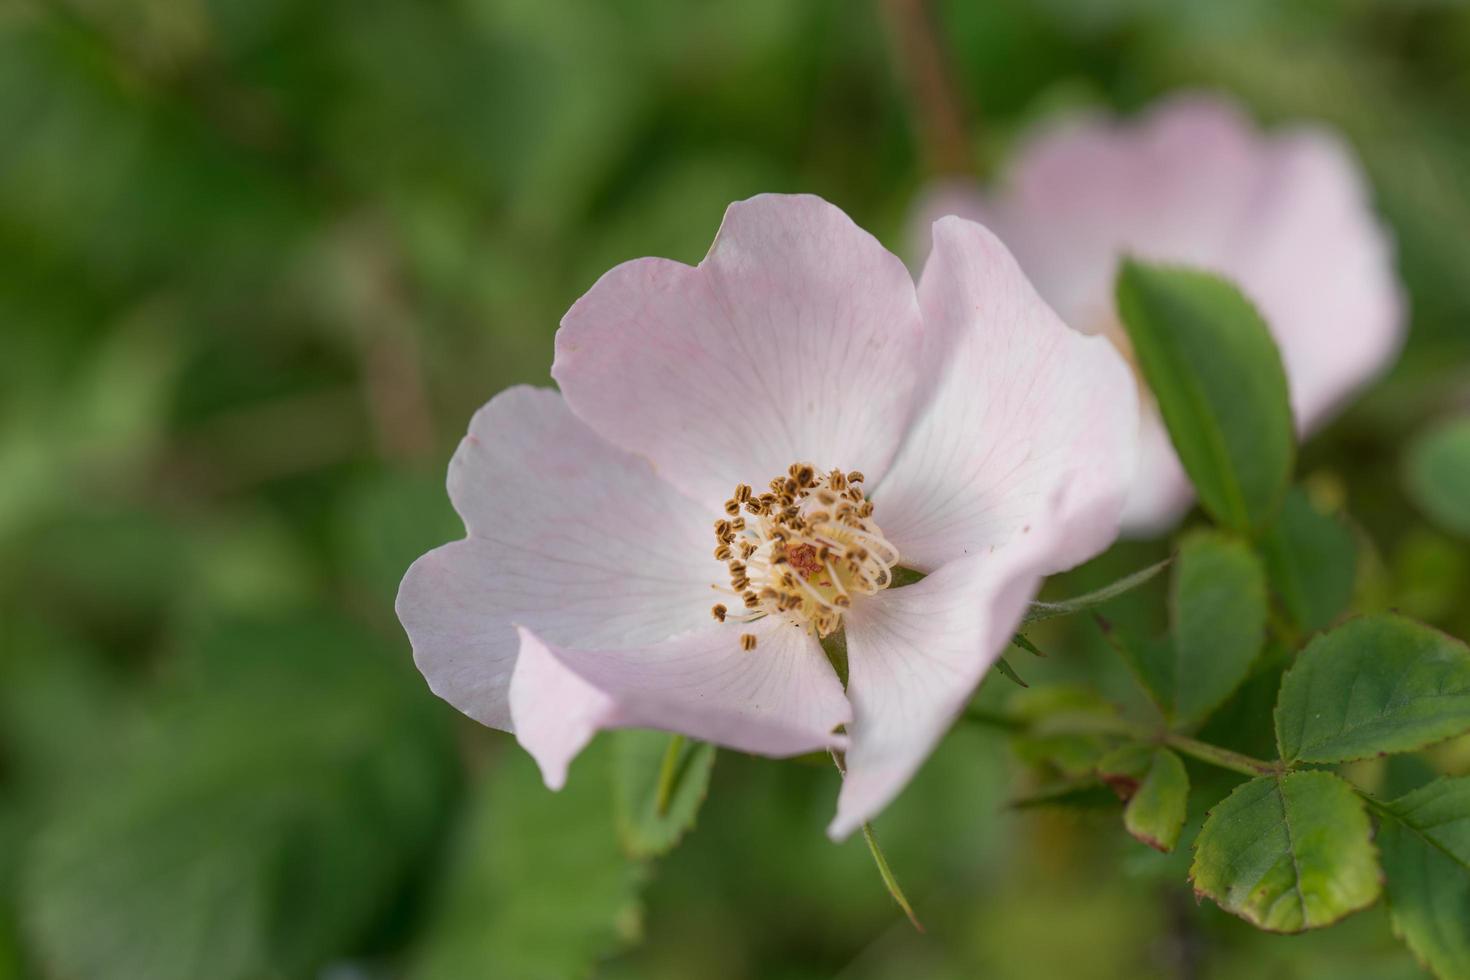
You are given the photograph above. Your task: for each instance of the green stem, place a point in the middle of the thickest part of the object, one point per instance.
(938, 111)
(668, 773)
(1098, 724)
(1217, 756)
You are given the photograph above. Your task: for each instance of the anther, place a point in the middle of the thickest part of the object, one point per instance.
(747, 641)
(805, 551)
(719, 612)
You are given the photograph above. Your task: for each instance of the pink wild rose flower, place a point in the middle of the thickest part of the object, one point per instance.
(742, 455)
(1285, 216)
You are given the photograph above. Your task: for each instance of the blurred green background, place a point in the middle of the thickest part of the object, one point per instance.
(259, 262)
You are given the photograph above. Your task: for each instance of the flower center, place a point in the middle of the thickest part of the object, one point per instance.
(802, 550)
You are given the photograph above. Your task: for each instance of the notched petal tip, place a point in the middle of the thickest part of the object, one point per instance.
(797, 337)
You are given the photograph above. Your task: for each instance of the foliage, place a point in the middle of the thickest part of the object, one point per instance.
(1425, 840)
(659, 784)
(1288, 852)
(1210, 361)
(537, 885)
(1291, 849)
(1438, 474)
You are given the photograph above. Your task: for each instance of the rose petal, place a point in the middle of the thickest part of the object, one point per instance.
(781, 698)
(915, 655)
(796, 339)
(1025, 407)
(1320, 266)
(1176, 185)
(567, 535)
(1286, 216)
(1161, 492)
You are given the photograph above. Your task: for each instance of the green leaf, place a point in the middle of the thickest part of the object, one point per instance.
(1371, 686)
(1156, 813)
(638, 761)
(1312, 560)
(1218, 607)
(262, 822)
(1151, 660)
(1039, 611)
(1438, 474)
(1155, 789)
(1211, 363)
(1288, 853)
(1217, 603)
(1426, 854)
(539, 887)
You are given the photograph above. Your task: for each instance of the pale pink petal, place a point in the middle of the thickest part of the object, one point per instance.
(796, 339)
(916, 654)
(1287, 217)
(1320, 267)
(568, 535)
(1176, 185)
(781, 698)
(1025, 408)
(957, 196)
(1161, 492)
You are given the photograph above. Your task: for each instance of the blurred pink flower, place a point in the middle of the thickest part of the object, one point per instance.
(1285, 216)
(628, 564)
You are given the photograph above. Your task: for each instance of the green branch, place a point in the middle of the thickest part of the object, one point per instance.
(1102, 724)
(1217, 756)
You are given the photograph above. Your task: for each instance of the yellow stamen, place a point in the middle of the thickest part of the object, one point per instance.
(808, 549)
